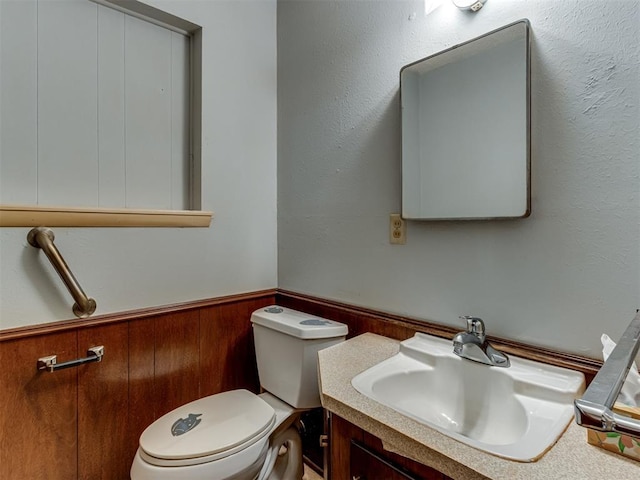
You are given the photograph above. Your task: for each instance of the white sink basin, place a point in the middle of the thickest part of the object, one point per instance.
(517, 412)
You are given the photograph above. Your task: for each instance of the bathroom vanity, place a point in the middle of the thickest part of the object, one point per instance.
(357, 454)
(366, 433)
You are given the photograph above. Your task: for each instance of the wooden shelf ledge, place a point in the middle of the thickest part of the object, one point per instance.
(36, 215)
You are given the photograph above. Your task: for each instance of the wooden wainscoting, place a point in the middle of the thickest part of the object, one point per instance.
(361, 320)
(84, 422)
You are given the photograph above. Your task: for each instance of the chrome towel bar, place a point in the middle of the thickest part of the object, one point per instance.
(594, 409)
(42, 237)
(94, 354)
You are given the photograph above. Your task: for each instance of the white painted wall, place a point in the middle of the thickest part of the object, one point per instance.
(127, 268)
(558, 278)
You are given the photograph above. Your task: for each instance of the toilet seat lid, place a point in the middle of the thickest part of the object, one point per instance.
(209, 426)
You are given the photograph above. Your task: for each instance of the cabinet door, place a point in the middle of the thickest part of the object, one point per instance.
(341, 433)
(368, 465)
(38, 423)
(356, 454)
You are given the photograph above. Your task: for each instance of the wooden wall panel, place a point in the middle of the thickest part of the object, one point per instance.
(225, 337)
(38, 410)
(361, 320)
(85, 422)
(103, 402)
(141, 380)
(177, 360)
(155, 360)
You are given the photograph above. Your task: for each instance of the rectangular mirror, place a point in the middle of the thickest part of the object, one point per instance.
(466, 129)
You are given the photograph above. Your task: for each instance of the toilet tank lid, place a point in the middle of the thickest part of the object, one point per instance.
(297, 324)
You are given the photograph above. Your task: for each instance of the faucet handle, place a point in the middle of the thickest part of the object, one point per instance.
(475, 325)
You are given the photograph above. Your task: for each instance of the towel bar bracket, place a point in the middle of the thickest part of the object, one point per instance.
(50, 362)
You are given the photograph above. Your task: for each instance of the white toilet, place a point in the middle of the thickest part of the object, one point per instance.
(238, 435)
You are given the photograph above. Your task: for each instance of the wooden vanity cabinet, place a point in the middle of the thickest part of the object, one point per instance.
(358, 455)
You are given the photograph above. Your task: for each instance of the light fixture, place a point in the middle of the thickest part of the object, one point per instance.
(431, 5)
(473, 5)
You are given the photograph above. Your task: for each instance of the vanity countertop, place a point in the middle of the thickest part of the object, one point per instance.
(570, 458)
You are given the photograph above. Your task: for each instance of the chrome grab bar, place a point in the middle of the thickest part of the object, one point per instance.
(42, 237)
(94, 354)
(594, 409)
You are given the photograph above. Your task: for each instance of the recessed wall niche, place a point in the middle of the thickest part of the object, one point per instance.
(100, 106)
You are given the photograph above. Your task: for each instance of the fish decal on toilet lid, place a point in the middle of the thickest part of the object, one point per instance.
(183, 425)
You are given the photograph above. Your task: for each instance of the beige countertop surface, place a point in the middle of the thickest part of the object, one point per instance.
(570, 458)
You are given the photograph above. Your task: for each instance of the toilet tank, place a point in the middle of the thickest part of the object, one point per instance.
(287, 344)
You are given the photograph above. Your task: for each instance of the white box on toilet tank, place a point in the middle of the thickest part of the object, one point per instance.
(287, 344)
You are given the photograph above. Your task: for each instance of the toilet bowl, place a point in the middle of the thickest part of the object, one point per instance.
(238, 435)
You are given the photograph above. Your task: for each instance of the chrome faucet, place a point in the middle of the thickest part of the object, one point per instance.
(473, 345)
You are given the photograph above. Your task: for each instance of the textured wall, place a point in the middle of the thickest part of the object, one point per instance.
(558, 278)
(126, 268)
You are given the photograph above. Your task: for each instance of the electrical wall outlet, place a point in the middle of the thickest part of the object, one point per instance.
(397, 230)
